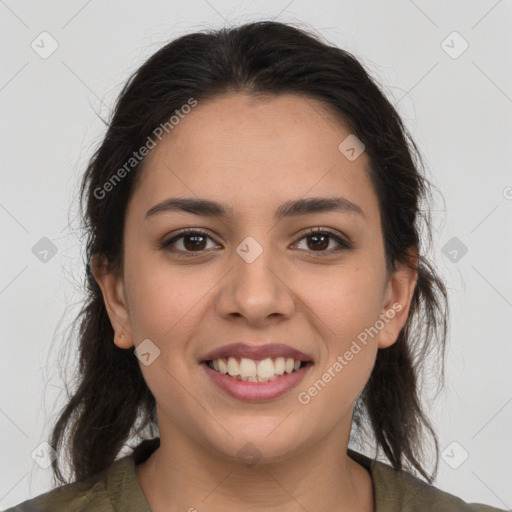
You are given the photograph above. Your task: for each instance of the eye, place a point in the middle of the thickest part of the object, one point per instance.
(320, 240)
(195, 241)
(190, 240)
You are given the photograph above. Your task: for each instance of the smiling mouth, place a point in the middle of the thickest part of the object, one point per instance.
(250, 370)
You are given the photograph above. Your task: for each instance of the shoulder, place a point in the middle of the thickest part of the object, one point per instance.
(90, 494)
(106, 491)
(400, 490)
(80, 496)
(116, 488)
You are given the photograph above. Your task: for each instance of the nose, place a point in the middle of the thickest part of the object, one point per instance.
(256, 290)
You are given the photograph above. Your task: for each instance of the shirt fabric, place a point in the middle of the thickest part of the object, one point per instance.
(117, 489)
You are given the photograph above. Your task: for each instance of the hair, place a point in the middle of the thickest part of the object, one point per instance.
(111, 403)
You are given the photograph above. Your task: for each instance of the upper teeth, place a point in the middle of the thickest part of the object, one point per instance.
(255, 371)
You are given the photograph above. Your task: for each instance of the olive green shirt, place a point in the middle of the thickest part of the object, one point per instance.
(117, 489)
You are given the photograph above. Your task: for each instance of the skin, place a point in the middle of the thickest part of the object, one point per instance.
(254, 154)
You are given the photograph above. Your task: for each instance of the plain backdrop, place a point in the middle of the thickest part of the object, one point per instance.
(446, 67)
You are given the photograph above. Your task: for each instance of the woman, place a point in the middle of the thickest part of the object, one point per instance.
(257, 290)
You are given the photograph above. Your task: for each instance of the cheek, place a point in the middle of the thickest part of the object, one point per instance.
(347, 298)
(348, 307)
(330, 398)
(347, 304)
(162, 298)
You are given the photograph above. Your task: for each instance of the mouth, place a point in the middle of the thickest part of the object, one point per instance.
(251, 370)
(256, 372)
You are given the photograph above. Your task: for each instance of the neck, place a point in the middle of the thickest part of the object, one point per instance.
(182, 475)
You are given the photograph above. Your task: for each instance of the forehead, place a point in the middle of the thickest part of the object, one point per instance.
(245, 149)
(246, 125)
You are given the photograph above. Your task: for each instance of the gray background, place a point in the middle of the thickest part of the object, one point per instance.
(457, 105)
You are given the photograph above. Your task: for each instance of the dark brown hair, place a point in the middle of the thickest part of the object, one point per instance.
(111, 403)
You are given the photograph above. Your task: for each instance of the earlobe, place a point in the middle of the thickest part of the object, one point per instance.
(113, 291)
(397, 301)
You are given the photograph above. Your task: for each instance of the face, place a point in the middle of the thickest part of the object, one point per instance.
(252, 277)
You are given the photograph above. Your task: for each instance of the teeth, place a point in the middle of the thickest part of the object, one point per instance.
(265, 368)
(279, 366)
(233, 367)
(249, 370)
(223, 367)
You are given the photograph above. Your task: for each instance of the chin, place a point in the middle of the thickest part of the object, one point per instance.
(257, 446)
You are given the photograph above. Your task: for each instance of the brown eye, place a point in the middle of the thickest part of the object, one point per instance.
(318, 240)
(196, 241)
(193, 242)
(189, 241)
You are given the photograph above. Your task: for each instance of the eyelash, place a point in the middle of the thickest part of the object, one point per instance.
(343, 244)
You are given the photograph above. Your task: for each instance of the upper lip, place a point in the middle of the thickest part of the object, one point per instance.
(256, 352)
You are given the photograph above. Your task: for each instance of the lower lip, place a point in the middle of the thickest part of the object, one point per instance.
(256, 391)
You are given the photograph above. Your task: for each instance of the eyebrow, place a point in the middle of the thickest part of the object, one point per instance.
(208, 208)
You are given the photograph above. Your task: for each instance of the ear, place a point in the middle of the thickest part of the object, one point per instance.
(397, 298)
(112, 288)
